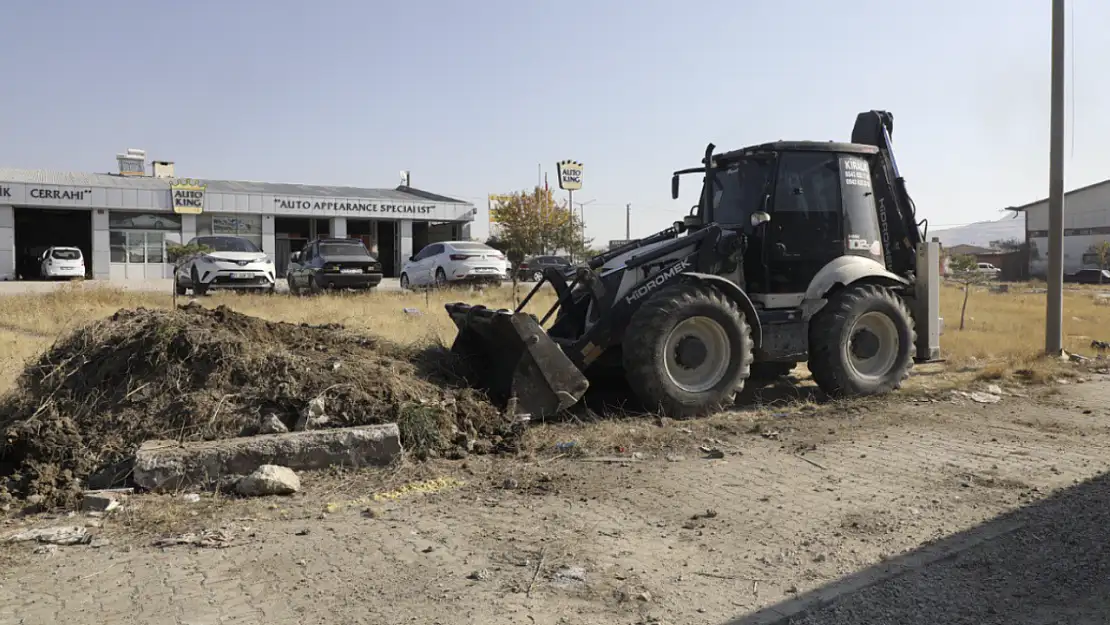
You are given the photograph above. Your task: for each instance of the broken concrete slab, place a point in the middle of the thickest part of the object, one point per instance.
(169, 465)
(101, 500)
(65, 535)
(269, 479)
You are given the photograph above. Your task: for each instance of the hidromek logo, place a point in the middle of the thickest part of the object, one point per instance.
(657, 281)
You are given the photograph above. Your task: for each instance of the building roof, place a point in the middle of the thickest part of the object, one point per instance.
(1042, 201)
(115, 181)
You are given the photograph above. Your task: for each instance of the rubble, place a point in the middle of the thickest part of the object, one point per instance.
(269, 479)
(81, 410)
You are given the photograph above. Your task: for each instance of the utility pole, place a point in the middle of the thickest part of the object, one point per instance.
(1054, 314)
(628, 222)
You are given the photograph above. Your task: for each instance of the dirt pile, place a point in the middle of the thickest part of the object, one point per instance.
(80, 411)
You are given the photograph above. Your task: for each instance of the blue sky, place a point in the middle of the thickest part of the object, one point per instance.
(473, 96)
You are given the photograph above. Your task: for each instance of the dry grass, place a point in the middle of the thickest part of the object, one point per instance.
(1004, 331)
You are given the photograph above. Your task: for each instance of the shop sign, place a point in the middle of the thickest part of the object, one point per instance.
(570, 175)
(73, 195)
(354, 207)
(187, 196)
(5, 191)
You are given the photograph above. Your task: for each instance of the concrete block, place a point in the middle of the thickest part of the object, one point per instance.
(169, 465)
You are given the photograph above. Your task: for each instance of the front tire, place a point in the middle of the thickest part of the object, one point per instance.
(198, 289)
(441, 278)
(537, 276)
(687, 350)
(861, 343)
(404, 282)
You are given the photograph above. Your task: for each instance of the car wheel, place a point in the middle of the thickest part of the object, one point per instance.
(293, 288)
(178, 288)
(404, 282)
(198, 288)
(441, 278)
(537, 276)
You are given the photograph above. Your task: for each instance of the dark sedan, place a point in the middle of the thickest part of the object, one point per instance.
(333, 264)
(1089, 276)
(532, 268)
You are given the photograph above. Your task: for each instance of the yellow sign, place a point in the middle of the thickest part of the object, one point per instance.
(570, 175)
(187, 196)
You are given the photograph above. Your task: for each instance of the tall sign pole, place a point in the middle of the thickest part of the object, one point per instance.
(570, 180)
(628, 222)
(1054, 314)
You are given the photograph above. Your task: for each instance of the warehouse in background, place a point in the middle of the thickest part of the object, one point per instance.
(123, 221)
(1086, 223)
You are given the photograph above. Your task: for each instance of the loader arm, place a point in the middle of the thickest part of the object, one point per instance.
(897, 214)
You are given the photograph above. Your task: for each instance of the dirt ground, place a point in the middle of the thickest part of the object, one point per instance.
(800, 499)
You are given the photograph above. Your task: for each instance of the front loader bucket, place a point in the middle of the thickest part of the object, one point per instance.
(510, 357)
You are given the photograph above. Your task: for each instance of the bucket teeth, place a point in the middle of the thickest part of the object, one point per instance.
(512, 359)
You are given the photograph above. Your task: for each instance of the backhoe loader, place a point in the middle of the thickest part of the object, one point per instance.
(797, 251)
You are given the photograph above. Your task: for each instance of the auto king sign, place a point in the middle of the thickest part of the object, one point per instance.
(570, 175)
(187, 196)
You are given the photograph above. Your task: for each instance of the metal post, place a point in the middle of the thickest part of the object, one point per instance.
(1054, 314)
(628, 222)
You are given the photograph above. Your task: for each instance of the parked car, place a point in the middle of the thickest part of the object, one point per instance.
(532, 268)
(440, 264)
(62, 262)
(232, 263)
(330, 264)
(1089, 276)
(988, 269)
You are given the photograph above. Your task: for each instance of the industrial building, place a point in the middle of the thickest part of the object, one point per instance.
(123, 221)
(1086, 223)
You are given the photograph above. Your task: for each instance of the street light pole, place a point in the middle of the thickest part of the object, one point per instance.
(1054, 313)
(582, 211)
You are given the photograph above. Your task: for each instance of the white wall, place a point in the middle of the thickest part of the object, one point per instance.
(7, 243)
(101, 246)
(155, 199)
(1086, 222)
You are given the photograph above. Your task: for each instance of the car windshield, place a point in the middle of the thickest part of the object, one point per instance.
(66, 254)
(227, 244)
(343, 249)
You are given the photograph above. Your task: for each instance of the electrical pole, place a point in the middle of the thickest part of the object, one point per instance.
(628, 222)
(1054, 314)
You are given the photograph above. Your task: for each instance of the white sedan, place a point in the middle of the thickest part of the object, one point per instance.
(62, 262)
(231, 263)
(440, 264)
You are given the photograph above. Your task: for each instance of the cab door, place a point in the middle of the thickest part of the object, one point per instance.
(806, 228)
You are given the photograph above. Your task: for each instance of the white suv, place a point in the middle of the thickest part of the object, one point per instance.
(232, 263)
(62, 262)
(448, 262)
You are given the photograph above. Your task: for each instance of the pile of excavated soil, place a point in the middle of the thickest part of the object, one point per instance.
(80, 411)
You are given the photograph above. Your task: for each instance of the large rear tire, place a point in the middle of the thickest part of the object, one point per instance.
(862, 342)
(687, 351)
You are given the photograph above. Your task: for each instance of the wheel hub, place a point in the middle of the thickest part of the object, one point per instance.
(865, 344)
(697, 354)
(691, 352)
(873, 346)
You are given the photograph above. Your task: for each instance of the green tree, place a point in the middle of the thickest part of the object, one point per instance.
(534, 223)
(1101, 252)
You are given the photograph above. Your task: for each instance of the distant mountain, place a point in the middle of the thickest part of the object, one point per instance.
(982, 233)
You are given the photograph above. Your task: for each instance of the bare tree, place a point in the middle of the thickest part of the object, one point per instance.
(965, 270)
